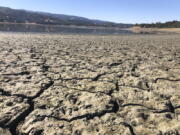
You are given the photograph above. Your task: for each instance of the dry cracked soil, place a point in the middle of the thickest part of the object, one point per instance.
(89, 85)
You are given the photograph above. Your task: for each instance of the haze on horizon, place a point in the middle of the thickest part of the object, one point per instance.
(126, 11)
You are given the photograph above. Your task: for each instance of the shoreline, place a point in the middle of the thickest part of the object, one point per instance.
(134, 30)
(155, 30)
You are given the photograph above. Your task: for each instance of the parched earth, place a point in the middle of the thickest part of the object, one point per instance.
(89, 85)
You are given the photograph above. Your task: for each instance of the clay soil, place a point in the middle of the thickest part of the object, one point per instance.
(89, 85)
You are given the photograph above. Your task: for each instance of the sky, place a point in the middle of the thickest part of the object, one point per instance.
(121, 11)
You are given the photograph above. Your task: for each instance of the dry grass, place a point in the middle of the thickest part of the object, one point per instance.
(155, 30)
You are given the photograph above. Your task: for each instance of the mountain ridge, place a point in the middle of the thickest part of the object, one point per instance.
(9, 15)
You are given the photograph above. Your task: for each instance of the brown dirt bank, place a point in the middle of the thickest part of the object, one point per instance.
(155, 30)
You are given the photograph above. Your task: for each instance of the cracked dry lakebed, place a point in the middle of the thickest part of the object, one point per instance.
(89, 85)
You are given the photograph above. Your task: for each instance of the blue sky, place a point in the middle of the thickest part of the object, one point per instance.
(125, 11)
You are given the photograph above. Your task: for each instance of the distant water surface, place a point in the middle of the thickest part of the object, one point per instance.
(61, 29)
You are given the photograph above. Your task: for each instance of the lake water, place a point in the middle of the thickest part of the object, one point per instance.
(60, 29)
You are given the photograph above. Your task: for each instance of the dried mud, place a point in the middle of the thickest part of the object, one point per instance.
(89, 85)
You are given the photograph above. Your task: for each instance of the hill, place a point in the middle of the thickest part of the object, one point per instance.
(8, 15)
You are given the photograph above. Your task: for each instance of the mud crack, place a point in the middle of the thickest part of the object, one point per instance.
(13, 125)
(167, 79)
(130, 128)
(88, 116)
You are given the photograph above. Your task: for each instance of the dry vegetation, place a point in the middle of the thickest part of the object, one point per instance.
(155, 30)
(89, 85)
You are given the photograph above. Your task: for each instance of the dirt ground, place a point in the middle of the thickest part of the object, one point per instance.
(89, 85)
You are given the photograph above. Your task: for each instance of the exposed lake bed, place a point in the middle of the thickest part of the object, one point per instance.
(89, 84)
